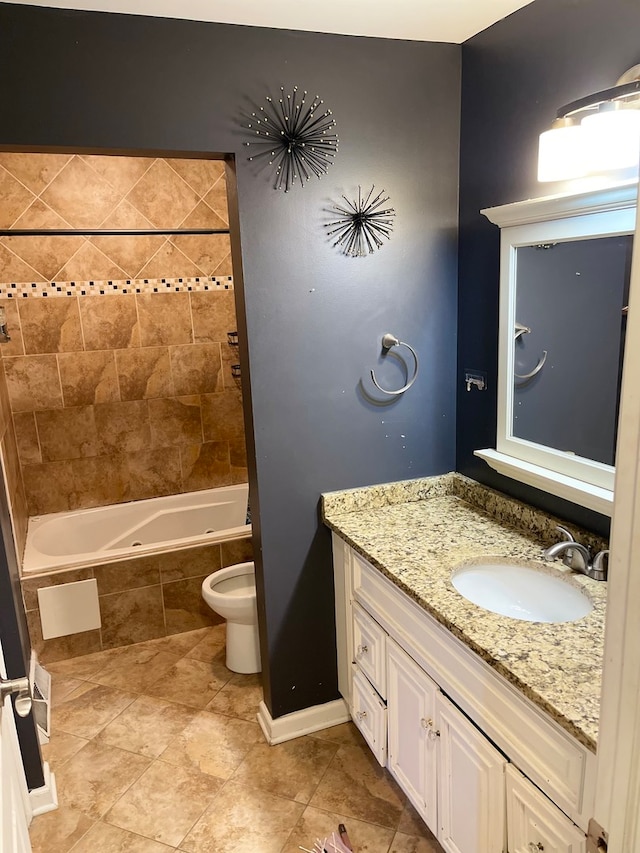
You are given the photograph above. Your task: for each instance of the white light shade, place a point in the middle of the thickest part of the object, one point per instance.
(612, 139)
(561, 154)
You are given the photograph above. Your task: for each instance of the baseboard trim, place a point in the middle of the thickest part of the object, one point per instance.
(44, 799)
(302, 722)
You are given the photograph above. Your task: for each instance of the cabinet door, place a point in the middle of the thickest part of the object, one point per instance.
(370, 715)
(471, 785)
(369, 643)
(411, 714)
(534, 823)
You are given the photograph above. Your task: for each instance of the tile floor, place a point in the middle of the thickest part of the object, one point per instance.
(156, 748)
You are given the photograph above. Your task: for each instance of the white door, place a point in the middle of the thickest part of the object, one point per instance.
(411, 714)
(15, 809)
(471, 785)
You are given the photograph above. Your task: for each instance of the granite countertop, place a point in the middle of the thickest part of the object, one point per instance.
(416, 532)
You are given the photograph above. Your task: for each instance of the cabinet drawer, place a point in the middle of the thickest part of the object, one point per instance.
(369, 649)
(534, 823)
(370, 716)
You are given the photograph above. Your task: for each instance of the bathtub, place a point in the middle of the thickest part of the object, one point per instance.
(108, 534)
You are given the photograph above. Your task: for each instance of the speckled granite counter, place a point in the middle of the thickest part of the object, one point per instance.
(416, 532)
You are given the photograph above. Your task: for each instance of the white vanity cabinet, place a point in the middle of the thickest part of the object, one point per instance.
(485, 768)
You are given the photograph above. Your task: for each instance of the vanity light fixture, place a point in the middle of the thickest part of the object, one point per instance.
(596, 134)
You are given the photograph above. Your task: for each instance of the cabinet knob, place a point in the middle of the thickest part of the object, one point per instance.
(535, 847)
(362, 650)
(361, 715)
(428, 724)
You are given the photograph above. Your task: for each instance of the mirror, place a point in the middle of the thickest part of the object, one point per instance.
(564, 285)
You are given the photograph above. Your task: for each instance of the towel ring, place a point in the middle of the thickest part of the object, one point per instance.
(524, 330)
(389, 341)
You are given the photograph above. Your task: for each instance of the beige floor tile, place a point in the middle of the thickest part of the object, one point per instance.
(212, 644)
(240, 697)
(292, 769)
(213, 743)
(178, 644)
(413, 844)
(136, 668)
(412, 824)
(104, 838)
(345, 733)
(317, 823)
(96, 777)
(62, 686)
(58, 830)
(243, 820)
(84, 667)
(61, 748)
(88, 709)
(165, 802)
(191, 682)
(147, 726)
(357, 786)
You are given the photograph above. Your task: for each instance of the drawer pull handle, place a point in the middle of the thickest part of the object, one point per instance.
(535, 847)
(428, 724)
(361, 715)
(362, 650)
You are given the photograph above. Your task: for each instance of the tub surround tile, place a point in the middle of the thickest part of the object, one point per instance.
(243, 816)
(49, 327)
(196, 562)
(147, 726)
(14, 268)
(130, 254)
(110, 323)
(99, 480)
(206, 251)
(192, 682)
(175, 421)
(33, 383)
(20, 518)
(122, 173)
(144, 373)
(240, 697)
(60, 648)
(170, 262)
(123, 427)
(27, 438)
(88, 709)
(213, 744)
(205, 466)
(16, 345)
(80, 195)
(179, 796)
(184, 607)
(238, 551)
(165, 319)
(214, 315)
(67, 433)
(35, 171)
(318, 823)
(127, 574)
(217, 198)
(203, 216)
(48, 487)
(201, 175)
(104, 838)
(48, 255)
(222, 416)
(58, 830)
(154, 473)
(132, 616)
(16, 198)
(196, 369)
(97, 776)
(453, 520)
(163, 196)
(88, 378)
(30, 586)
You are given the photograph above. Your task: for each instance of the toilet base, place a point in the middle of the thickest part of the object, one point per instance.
(243, 648)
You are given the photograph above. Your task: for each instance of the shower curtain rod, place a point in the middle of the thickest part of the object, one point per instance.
(107, 232)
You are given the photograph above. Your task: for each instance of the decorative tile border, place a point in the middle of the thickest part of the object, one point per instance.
(20, 290)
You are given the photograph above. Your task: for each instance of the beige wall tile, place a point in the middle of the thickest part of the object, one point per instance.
(238, 454)
(164, 319)
(154, 473)
(90, 264)
(214, 314)
(14, 269)
(80, 195)
(47, 255)
(20, 512)
(144, 373)
(131, 616)
(60, 648)
(205, 466)
(121, 172)
(16, 345)
(194, 562)
(88, 378)
(240, 551)
(201, 175)
(109, 322)
(175, 421)
(13, 477)
(206, 251)
(217, 198)
(48, 487)
(35, 171)
(225, 267)
(130, 254)
(27, 438)
(204, 216)
(33, 382)
(40, 215)
(30, 586)
(50, 325)
(222, 417)
(5, 403)
(196, 369)
(123, 427)
(127, 574)
(184, 607)
(14, 199)
(67, 433)
(162, 196)
(99, 481)
(170, 262)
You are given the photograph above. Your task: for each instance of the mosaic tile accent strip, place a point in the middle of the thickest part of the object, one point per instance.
(199, 284)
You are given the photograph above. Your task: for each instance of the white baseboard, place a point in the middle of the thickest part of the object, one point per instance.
(302, 722)
(44, 799)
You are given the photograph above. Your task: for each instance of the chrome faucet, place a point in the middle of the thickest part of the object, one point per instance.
(578, 556)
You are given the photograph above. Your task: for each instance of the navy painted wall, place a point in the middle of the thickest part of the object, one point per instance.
(515, 75)
(314, 318)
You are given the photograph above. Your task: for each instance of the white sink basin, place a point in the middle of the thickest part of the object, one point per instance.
(521, 592)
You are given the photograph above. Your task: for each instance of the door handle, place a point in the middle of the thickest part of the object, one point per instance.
(20, 688)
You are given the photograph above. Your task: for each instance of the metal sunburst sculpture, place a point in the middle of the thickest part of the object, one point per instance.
(297, 137)
(363, 224)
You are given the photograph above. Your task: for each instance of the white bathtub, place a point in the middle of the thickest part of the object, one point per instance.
(123, 531)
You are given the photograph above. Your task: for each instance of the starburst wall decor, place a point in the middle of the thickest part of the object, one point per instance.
(363, 224)
(297, 136)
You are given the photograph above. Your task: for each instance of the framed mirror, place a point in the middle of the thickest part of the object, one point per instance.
(565, 265)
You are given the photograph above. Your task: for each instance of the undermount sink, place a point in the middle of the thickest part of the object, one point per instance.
(521, 592)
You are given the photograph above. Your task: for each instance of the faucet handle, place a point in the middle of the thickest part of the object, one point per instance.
(600, 565)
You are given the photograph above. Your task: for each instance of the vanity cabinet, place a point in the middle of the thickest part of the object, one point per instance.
(486, 769)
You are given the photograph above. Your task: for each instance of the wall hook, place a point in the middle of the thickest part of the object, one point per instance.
(524, 330)
(389, 341)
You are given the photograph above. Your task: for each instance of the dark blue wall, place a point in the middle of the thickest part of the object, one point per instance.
(514, 77)
(314, 318)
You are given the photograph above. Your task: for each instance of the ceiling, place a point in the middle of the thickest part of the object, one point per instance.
(417, 20)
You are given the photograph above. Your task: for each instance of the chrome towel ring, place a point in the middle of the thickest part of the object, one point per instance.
(524, 330)
(389, 341)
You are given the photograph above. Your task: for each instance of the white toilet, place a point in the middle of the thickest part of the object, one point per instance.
(231, 593)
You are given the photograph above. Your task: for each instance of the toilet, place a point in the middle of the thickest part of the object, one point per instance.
(231, 593)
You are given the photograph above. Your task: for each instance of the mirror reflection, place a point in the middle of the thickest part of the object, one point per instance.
(568, 344)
